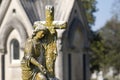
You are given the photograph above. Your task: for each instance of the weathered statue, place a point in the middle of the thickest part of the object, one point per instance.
(44, 45)
(32, 68)
(49, 41)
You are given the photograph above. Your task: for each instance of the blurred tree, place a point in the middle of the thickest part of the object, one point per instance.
(97, 57)
(105, 45)
(111, 36)
(90, 8)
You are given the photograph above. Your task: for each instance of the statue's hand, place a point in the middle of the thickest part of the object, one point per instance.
(42, 69)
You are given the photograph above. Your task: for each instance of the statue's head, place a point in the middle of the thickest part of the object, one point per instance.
(49, 13)
(38, 32)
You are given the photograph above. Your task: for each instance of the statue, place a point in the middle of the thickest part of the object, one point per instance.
(44, 38)
(31, 67)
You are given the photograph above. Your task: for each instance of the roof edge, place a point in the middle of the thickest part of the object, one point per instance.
(3, 9)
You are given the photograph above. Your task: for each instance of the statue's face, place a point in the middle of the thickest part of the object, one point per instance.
(39, 34)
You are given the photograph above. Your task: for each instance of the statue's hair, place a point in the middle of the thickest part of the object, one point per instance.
(37, 29)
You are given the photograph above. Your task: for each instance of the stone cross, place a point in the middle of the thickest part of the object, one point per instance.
(50, 38)
(50, 23)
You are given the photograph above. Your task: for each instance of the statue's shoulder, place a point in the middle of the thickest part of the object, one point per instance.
(28, 46)
(29, 42)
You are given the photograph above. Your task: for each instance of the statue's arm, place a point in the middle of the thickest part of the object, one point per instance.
(36, 63)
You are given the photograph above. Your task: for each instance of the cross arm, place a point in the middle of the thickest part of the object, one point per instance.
(60, 24)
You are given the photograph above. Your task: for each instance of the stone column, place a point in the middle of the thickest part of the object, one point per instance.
(59, 59)
(86, 57)
(2, 67)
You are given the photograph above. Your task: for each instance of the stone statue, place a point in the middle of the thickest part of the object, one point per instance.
(32, 68)
(43, 44)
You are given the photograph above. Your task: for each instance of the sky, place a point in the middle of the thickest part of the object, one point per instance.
(103, 14)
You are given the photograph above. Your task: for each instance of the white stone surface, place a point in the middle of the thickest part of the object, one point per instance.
(94, 75)
(100, 76)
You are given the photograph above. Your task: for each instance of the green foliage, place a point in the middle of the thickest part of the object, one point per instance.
(106, 44)
(97, 57)
(111, 35)
(105, 47)
(90, 8)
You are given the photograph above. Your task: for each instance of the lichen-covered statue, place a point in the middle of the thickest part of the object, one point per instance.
(33, 67)
(43, 46)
